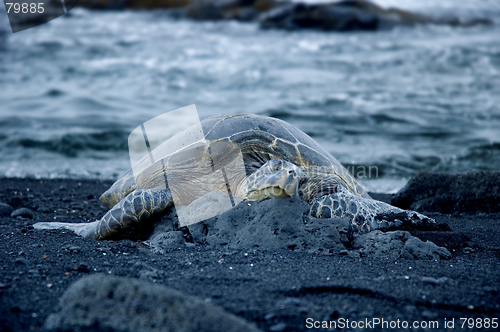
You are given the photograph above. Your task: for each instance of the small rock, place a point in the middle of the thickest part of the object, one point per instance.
(344, 252)
(16, 309)
(34, 273)
(5, 210)
(334, 315)
(74, 248)
(93, 301)
(4, 286)
(430, 280)
(468, 250)
(429, 314)
(43, 209)
(489, 289)
(76, 206)
(470, 243)
(417, 249)
(278, 327)
(410, 308)
(288, 302)
(23, 261)
(270, 316)
(83, 268)
(22, 212)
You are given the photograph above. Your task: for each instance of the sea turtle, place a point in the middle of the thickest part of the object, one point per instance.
(279, 161)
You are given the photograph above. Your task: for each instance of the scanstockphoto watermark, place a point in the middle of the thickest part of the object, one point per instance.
(381, 323)
(370, 323)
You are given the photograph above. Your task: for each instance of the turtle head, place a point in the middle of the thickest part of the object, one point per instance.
(275, 179)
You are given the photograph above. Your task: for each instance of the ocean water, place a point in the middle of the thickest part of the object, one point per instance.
(386, 104)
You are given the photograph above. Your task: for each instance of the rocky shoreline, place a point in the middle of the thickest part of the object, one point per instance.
(346, 15)
(44, 275)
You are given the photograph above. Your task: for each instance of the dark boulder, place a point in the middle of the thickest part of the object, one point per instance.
(349, 15)
(134, 4)
(451, 193)
(241, 10)
(332, 16)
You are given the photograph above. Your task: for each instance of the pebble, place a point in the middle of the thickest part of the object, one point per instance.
(429, 314)
(16, 309)
(278, 327)
(430, 280)
(434, 281)
(490, 289)
(270, 316)
(289, 302)
(468, 250)
(4, 286)
(34, 273)
(43, 209)
(334, 315)
(22, 212)
(22, 260)
(5, 210)
(76, 206)
(74, 248)
(83, 268)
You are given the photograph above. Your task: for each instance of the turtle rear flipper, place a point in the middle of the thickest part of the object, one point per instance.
(83, 229)
(131, 213)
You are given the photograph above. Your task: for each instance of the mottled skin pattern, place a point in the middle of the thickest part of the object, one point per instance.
(280, 161)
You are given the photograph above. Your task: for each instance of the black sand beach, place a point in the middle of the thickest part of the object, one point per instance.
(281, 290)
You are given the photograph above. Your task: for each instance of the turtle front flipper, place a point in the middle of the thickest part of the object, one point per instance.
(130, 214)
(365, 214)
